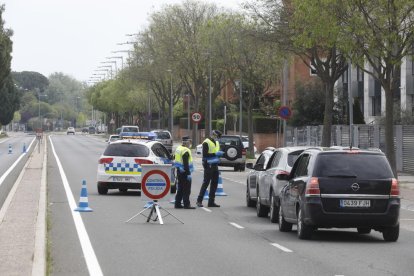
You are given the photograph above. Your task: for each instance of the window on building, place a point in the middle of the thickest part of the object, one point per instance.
(360, 74)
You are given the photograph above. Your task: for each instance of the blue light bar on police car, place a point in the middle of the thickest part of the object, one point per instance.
(138, 135)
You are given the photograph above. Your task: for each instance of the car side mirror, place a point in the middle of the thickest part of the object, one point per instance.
(249, 165)
(258, 167)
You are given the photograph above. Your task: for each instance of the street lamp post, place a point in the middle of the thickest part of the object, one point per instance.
(241, 105)
(171, 104)
(38, 96)
(118, 57)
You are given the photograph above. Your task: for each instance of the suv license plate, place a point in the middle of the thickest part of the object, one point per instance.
(355, 203)
(121, 178)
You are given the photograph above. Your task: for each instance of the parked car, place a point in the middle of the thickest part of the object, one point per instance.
(255, 174)
(264, 190)
(345, 188)
(128, 129)
(165, 137)
(113, 138)
(70, 130)
(85, 130)
(120, 165)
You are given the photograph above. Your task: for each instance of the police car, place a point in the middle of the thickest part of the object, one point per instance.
(120, 165)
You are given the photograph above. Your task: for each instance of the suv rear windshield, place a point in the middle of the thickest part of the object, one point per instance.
(127, 150)
(366, 166)
(231, 141)
(163, 135)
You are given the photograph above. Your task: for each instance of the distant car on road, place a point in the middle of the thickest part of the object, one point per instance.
(112, 138)
(342, 188)
(70, 130)
(91, 130)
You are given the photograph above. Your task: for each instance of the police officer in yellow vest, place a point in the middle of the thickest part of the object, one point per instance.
(211, 154)
(184, 165)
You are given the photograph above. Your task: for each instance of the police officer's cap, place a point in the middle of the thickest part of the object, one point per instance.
(217, 133)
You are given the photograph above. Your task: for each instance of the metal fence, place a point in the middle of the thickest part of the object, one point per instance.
(364, 136)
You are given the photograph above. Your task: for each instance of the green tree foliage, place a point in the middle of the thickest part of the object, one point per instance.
(379, 33)
(308, 106)
(28, 80)
(8, 94)
(9, 101)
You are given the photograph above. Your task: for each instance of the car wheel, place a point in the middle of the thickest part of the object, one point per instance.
(249, 201)
(261, 210)
(102, 190)
(123, 190)
(363, 230)
(284, 226)
(304, 231)
(274, 209)
(236, 168)
(242, 167)
(391, 234)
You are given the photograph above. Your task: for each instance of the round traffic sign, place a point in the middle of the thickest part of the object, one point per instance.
(155, 184)
(285, 112)
(196, 117)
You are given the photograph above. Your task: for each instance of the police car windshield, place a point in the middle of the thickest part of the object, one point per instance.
(127, 150)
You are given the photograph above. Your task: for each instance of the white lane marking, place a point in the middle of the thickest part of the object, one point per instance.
(205, 209)
(90, 256)
(236, 225)
(3, 177)
(406, 219)
(282, 247)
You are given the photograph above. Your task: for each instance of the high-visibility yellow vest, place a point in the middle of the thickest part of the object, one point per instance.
(212, 149)
(178, 160)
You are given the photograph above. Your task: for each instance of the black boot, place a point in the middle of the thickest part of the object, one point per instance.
(212, 204)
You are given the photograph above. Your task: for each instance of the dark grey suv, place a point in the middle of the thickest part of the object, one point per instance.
(234, 152)
(343, 188)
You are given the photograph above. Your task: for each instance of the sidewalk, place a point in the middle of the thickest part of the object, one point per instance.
(22, 221)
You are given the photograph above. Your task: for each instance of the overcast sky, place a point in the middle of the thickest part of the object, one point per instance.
(75, 36)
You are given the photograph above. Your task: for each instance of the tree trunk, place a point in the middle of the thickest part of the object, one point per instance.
(389, 130)
(250, 123)
(327, 118)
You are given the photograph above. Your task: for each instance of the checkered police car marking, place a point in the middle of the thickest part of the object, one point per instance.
(123, 168)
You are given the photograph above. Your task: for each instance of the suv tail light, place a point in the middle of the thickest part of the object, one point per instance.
(143, 161)
(395, 190)
(312, 188)
(105, 160)
(243, 151)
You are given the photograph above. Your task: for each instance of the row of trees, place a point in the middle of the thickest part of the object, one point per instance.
(186, 45)
(374, 35)
(185, 49)
(58, 99)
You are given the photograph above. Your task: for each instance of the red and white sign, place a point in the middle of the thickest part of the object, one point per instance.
(155, 184)
(196, 117)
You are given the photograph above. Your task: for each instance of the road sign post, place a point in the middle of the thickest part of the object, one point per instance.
(155, 185)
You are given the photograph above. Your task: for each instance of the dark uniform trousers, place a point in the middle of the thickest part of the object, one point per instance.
(183, 189)
(211, 175)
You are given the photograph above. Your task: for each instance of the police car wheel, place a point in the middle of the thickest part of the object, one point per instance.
(123, 190)
(102, 190)
(231, 153)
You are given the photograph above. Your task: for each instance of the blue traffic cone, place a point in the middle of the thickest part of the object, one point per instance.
(220, 190)
(206, 195)
(24, 147)
(10, 149)
(83, 201)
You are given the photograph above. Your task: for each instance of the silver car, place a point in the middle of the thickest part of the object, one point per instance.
(164, 136)
(264, 183)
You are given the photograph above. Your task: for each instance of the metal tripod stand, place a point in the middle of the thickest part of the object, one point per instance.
(155, 211)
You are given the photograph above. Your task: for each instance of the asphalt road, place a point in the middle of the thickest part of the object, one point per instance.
(230, 240)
